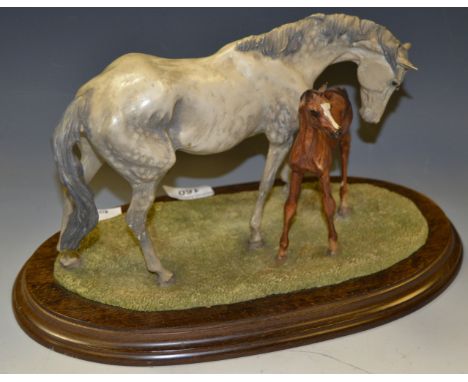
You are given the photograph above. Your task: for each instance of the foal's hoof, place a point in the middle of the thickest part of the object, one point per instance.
(344, 212)
(70, 261)
(329, 252)
(256, 244)
(282, 256)
(280, 260)
(166, 281)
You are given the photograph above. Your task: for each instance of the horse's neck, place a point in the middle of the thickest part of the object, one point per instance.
(311, 62)
(306, 65)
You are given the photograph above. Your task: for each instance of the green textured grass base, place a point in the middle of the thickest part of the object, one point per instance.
(205, 243)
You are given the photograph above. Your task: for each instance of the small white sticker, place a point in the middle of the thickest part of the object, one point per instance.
(189, 193)
(108, 213)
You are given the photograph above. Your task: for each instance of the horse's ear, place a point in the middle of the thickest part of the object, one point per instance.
(402, 58)
(406, 63)
(406, 45)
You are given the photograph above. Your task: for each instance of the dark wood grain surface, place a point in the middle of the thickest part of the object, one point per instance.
(70, 324)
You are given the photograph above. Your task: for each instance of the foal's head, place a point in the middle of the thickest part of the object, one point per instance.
(316, 109)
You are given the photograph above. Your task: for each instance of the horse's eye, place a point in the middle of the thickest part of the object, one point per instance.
(395, 83)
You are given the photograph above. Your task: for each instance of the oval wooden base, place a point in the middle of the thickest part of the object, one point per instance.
(81, 328)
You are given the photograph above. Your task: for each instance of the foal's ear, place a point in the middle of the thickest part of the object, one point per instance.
(322, 88)
(308, 93)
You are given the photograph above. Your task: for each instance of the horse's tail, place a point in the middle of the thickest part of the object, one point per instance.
(84, 215)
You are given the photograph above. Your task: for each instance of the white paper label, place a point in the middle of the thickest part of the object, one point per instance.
(189, 193)
(108, 213)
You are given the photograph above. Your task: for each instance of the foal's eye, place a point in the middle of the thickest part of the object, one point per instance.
(396, 84)
(315, 113)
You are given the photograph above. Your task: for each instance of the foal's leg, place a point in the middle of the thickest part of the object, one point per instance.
(345, 143)
(91, 163)
(289, 211)
(329, 209)
(275, 156)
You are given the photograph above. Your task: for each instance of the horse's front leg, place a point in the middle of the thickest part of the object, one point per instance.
(329, 209)
(285, 175)
(275, 156)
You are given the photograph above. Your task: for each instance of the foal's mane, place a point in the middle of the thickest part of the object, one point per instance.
(321, 30)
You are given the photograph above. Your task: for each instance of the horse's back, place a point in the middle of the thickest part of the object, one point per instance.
(137, 89)
(124, 73)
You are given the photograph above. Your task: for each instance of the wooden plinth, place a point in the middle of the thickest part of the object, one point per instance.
(70, 324)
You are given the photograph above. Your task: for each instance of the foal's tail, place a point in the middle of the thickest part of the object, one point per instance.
(84, 216)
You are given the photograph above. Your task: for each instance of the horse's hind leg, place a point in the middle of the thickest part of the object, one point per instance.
(289, 211)
(91, 163)
(142, 199)
(345, 143)
(275, 156)
(143, 159)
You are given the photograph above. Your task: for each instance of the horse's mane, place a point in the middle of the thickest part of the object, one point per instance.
(323, 30)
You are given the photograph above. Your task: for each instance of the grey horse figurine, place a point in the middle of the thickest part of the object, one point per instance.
(141, 109)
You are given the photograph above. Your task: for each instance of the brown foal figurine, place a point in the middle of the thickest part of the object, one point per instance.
(324, 119)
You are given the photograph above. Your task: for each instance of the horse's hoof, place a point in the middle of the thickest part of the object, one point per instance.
(329, 252)
(70, 261)
(256, 244)
(167, 281)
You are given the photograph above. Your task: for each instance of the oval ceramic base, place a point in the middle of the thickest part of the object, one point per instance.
(70, 324)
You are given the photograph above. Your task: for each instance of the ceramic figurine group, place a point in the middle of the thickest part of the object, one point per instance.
(141, 109)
